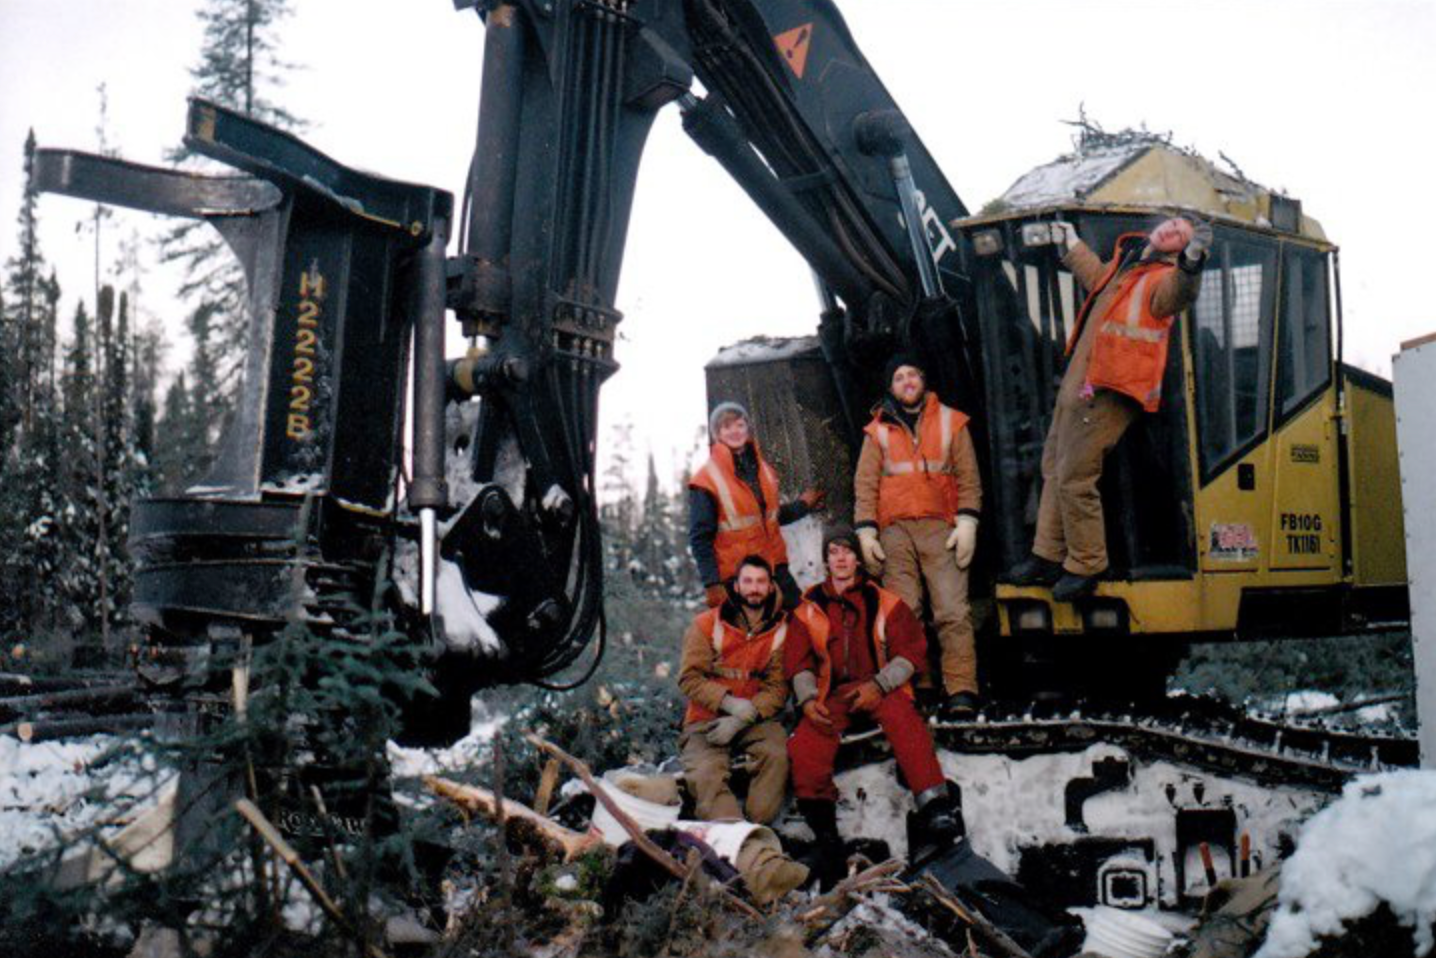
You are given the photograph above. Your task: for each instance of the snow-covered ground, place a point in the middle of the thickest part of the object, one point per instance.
(53, 791)
(469, 750)
(1014, 804)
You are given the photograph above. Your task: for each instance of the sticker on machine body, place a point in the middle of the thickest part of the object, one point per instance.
(1232, 542)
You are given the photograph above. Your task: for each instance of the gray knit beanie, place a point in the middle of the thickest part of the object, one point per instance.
(721, 412)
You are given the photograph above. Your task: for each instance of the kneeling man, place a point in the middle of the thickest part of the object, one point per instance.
(856, 657)
(732, 675)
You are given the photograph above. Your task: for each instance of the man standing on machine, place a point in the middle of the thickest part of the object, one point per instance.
(1116, 358)
(918, 495)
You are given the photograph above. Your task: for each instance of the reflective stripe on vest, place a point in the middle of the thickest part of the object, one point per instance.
(1129, 354)
(820, 631)
(917, 477)
(742, 529)
(742, 673)
(908, 466)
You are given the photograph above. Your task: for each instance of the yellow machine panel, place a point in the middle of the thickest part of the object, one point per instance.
(1377, 528)
(1306, 519)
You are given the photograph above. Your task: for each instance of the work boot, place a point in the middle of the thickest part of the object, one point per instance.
(1071, 587)
(939, 822)
(1035, 570)
(960, 707)
(828, 860)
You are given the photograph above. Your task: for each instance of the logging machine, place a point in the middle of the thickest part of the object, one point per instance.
(1262, 497)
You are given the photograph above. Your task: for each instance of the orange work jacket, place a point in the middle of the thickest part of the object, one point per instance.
(740, 660)
(820, 630)
(918, 481)
(743, 529)
(1129, 355)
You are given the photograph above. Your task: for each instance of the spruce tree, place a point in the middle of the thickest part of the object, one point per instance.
(115, 466)
(171, 465)
(239, 67)
(81, 511)
(29, 501)
(25, 299)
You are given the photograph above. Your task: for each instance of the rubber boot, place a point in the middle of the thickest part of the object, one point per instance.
(939, 822)
(1034, 570)
(828, 859)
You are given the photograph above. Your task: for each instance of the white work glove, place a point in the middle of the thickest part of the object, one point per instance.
(1065, 235)
(739, 708)
(873, 554)
(1200, 242)
(963, 540)
(724, 730)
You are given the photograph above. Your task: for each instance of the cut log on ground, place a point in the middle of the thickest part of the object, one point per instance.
(68, 699)
(524, 823)
(49, 729)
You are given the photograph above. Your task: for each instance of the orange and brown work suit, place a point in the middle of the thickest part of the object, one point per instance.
(915, 476)
(863, 634)
(736, 652)
(734, 512)
(1116, 358)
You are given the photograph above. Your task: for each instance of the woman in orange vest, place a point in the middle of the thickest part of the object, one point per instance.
(1116, 357)
(917, 496)
(857, 656)
(734, 509)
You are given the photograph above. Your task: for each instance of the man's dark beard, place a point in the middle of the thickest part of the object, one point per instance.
(753, 604)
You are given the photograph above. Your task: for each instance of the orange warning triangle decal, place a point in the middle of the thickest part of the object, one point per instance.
(793, 45)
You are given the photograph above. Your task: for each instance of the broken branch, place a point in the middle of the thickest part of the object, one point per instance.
(975, 919)
(262, 825)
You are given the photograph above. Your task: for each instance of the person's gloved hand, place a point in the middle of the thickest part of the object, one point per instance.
(724, 730)
(873, 554)
(1065, 235)
(963, 540)
(1200, 242)
(739, 708)
(814, 499)
(715, 595)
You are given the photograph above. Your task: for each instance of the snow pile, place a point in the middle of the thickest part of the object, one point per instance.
(465, 753)
(1376, 844)
(763, 349)
(50, 791)
(464, 614)
(804, 540)
(1069, 178)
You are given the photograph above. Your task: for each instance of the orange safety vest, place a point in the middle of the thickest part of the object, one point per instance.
(1129, 355)
(740, 659)
(820, 629)
(918, 481)
(743, 529)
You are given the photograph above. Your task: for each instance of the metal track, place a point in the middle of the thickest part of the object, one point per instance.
(1199, 733)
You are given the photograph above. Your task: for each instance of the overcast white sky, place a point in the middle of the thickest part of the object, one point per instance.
(1327, 100)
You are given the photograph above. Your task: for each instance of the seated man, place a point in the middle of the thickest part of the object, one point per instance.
(732, 675)
(857, 654)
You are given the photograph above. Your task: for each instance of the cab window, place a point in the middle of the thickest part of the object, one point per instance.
(1304, 335)
(1231, 348)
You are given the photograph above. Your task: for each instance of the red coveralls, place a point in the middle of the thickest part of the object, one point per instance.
(849, 658)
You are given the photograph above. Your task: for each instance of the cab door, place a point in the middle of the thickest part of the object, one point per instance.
(1231, 341)
(1305, 523)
